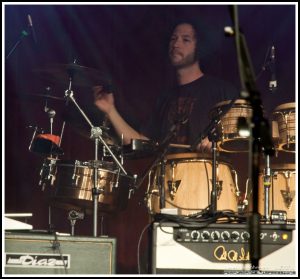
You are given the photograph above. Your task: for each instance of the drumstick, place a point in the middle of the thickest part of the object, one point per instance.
(180, 145)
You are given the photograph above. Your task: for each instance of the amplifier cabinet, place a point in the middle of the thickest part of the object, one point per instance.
(221, 248)
(37, 253)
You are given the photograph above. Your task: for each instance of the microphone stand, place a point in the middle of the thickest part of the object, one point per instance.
(267, 185)
(211, 132)
(96, 134)
(260, 136)
(23, 35)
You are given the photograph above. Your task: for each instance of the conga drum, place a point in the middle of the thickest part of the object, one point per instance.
(188, 184)
(229, 138)
(284, 117)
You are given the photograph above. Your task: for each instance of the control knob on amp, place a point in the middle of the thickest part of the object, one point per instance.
(215, 235)
(205, 235)
(225, 235)
(195, 235)
(245, 236)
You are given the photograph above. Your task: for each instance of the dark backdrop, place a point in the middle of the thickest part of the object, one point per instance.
(126, 43)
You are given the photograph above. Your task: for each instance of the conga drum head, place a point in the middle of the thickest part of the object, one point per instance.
(229, 138)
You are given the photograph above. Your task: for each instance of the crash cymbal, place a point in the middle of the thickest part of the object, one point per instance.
(80, 75)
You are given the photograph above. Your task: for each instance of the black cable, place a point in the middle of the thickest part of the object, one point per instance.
(202, 217)
(56, 246)
(139, 245)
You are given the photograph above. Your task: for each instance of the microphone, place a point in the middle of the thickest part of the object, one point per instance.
(32, 28)
(273, 81)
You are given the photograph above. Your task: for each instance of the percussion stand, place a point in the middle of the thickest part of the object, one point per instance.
(213, 195)
(46, 173)
(51, 114)
(96, 134)
(162, 150)
(212, 134)
(267, 185)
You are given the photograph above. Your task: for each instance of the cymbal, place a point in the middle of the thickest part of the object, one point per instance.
(76, 121)
(43, 96)
(80, 75)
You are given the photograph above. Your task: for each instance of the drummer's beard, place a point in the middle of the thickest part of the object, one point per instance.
(186, 61)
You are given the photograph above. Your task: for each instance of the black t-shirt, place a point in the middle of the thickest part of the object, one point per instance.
(187, 109)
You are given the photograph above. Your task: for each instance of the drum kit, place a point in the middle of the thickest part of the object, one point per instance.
(179, 183)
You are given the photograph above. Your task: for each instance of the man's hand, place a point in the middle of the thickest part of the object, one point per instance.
(204, 146)
(103, 100)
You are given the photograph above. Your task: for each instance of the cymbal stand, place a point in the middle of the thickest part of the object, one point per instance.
(267, 185)
(96, 134)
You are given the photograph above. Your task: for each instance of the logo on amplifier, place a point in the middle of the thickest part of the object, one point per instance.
(232, 255)
(37, 260)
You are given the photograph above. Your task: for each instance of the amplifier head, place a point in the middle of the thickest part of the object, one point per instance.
(220, 248)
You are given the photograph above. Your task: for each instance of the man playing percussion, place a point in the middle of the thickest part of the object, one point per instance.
(182, 113)
(186, 105)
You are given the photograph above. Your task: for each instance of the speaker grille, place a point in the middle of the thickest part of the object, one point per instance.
(31, 253)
